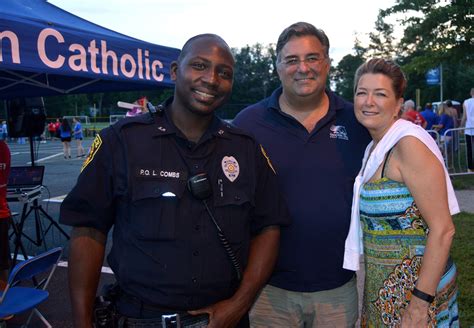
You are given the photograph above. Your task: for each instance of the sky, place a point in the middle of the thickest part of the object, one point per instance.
(240, 23)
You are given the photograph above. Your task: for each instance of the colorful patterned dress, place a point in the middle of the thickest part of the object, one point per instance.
(394, 242)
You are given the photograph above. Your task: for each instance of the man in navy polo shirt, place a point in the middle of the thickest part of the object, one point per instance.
(316, 146)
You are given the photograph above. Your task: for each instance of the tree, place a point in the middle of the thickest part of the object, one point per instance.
(255, 73)
(343, 74)
(437, 31)
(433, 32)
(382, 40)
(255, 77)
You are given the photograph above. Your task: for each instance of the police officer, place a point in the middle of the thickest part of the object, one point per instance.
(147, 175)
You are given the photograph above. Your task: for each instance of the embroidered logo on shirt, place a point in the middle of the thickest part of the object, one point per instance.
(338, 132)
(94, 148)
(230, 167)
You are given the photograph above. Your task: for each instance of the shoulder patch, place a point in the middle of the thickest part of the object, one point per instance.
(264, 153)
(94, 148)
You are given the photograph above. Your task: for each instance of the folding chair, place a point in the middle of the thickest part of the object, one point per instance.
(17, 299)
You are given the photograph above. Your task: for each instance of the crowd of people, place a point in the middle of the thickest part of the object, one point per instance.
(263, 222)
(446, 125)
(60, 129)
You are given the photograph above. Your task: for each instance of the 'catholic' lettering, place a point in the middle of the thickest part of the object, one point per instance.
(99, 57)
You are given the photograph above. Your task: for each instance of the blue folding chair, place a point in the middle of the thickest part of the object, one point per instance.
(17, 299)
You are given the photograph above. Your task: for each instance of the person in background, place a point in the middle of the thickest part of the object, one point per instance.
(430, 116)
(445, 123)
(5, 215)
(5, 219)
(51, 130)
(193, 202)
(467, 121)
(65, 134)
(4, 131)
(410, 114)
(78, 136)
(57, 125)
(404, 200)
(453, 112)
(316, 146)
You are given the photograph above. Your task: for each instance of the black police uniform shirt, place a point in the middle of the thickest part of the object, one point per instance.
(165, 248)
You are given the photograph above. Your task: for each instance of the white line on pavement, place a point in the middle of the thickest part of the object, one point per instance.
(104, 268)
(57, 199)
(64, 264)
(46, 158)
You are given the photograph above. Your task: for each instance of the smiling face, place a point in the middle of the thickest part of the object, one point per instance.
(375, 104)
(303, 67)
(203, 75)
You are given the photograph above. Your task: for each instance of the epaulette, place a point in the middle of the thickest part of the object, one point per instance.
(144, 119)
(232, 129)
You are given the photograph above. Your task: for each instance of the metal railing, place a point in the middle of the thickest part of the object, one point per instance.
(454, 148)
(435, 135)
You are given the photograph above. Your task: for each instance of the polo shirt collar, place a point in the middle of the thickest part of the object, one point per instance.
(335, 103)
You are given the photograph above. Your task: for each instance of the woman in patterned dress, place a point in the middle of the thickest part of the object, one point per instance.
(404, 200)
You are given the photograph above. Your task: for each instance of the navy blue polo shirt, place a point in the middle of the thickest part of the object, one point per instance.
(166, 250)
(316, 172)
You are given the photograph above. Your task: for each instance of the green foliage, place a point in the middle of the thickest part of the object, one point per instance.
(462, 252)
(106, 103)
(255, 73)
(343, 75)
(382, 40)
(434, 32)
(438, 31)
(255, 77)
(463, 182)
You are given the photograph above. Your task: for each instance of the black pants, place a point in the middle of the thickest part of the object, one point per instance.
(470, 151)
(132, 307)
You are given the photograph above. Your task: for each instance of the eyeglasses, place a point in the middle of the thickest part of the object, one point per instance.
(311, 61)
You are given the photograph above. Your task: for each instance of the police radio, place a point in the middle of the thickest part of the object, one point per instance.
(200, 187)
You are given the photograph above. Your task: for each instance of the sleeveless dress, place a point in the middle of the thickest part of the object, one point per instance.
(394, 237)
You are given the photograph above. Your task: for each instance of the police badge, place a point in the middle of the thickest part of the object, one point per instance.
(230, 167)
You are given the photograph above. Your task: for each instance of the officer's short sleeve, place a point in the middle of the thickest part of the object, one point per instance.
(270, 207)
(91, 202)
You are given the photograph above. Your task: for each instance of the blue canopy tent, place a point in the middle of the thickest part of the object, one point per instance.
(46, 51)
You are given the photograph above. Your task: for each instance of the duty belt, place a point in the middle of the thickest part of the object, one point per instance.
(174, 320)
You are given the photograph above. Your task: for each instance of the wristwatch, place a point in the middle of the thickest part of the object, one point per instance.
(422, 295)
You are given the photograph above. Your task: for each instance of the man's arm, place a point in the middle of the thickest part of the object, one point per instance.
(262, 258)
(87, 248)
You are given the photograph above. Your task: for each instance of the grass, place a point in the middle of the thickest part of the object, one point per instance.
(463, 181)
(462, 252)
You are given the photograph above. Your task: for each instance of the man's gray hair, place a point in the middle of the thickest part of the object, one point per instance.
(409, 104)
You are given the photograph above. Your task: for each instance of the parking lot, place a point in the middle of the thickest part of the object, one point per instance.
(60, 176)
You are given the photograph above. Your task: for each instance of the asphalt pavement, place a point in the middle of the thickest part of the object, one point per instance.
(60, 177)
